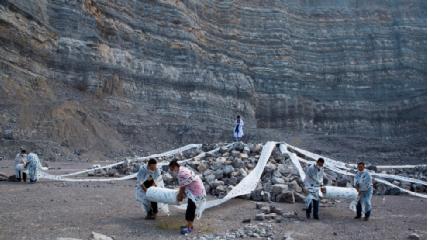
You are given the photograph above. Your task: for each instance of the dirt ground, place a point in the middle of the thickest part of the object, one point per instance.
(52, 210)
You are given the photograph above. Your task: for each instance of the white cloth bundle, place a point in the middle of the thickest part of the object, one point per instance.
(348, 193)
(162, 195)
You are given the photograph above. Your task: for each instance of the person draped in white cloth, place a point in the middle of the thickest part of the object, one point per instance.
(34, 166)
(313, 184)
(238, 131)
(192, 187)
(20, 162)
(363, 184)
(148, 175)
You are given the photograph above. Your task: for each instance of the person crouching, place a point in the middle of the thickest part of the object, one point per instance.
(191, 186)
(145, 179)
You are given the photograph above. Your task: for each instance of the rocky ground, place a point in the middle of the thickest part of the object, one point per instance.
(52, 210)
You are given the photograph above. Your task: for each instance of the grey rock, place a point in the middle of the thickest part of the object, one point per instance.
(294, 186)
(287, 197)
(260, 217)
(227, 170)
(279, 188)
(413, 236)
(278, 180)
(99, 236)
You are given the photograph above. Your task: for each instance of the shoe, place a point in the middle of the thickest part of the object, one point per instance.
(308, 215)
(186, 230)
(357, 217)
(366, 218)
(149, 217)
(33, 181)
(317, 218)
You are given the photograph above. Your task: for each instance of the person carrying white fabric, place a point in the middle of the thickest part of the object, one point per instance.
(147, 177)
(191, 186)
(20, 161)
(33, 165)
(238, 131)
(313, 184)
(363, 184)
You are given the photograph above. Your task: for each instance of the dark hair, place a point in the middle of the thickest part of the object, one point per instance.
(361, 163)
(23, 151)
(320, 160)
(174, 163)
(238, 116)
(152, 161)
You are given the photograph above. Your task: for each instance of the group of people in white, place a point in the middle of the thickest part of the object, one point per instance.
(314, 183)
(26, 164)
(192, 188)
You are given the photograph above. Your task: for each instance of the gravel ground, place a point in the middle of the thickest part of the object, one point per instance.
(52, 210)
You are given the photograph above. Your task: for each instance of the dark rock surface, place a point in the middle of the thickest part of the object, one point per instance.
(94, 79)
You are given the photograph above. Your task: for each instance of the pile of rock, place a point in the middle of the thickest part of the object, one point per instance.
(272, 213)
(249, 231)
(223, 169)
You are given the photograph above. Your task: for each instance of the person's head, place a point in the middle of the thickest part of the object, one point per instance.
(174, 166)
(238, 117)
(320, 162)
(23, 151)
(361, 166)
(151, 165)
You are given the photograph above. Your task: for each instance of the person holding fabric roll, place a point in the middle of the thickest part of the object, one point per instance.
(363, 184)
(238, 131)
(191, 186)
(20, 162)
(146, 177)
(313, 184)
(33, 165)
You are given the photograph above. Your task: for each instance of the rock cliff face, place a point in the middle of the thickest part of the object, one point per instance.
(89, 79)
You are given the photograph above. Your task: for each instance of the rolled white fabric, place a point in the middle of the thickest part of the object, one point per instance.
(162, 195)
(348, 193)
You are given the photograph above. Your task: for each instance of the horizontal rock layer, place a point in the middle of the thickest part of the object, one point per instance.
(87, 79)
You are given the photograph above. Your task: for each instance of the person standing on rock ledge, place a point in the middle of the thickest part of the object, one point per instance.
(363, 184)
(313, 184)
(192, 187)
(238, 131)
(145, 179)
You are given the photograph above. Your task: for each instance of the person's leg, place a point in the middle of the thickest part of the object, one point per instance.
(309, 210)
(316, 204)
(154, 209)
(18, 174)
(359, 209)
(24, 176)
(367, 205)
(190, 216)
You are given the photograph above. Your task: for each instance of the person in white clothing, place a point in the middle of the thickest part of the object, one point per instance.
(238, 131)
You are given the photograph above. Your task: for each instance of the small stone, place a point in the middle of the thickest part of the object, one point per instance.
(99, 236)
(413, 236)
(334, 233)
(260, 217)
(287, 197)
(265, 209)
(276, 210)
(247, 220)
(227, 170)
(259, 205)
(271, 216)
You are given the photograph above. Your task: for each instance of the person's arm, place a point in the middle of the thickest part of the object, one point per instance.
(180, 195)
